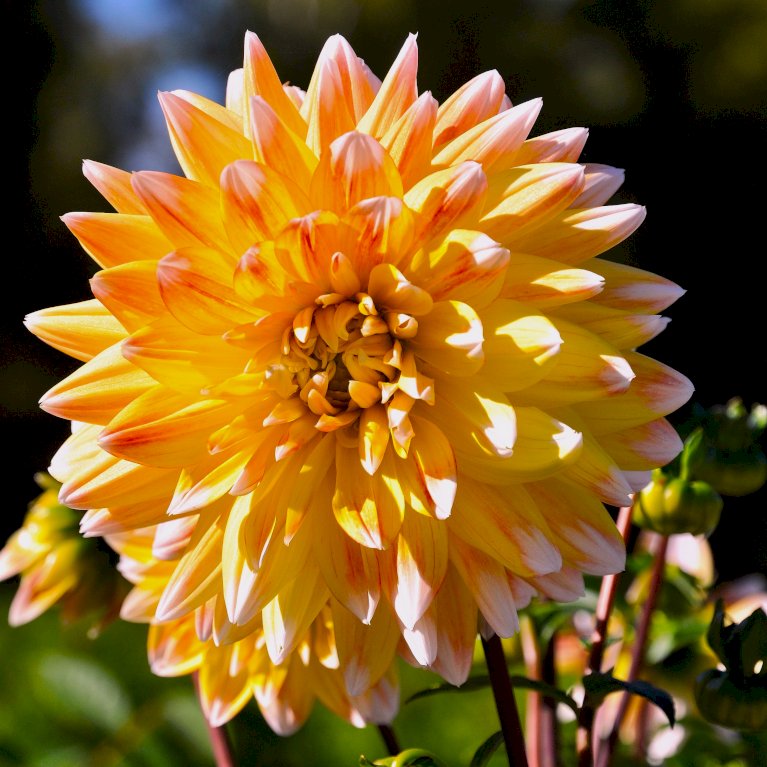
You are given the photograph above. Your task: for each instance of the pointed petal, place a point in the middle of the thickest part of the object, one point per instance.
(409, 140)
(99, 389)
(111, 239)
(474, 102)
(575, 235)
(523, 198)
(397, 92)
(520, 346)
(130, 292)
(450, 338)
(196, 286)
(81, 330)
(494, 141)
(185, 211)
(260, 79)
(114, 185)
(353, 168)
(276, 146)
(203, 145)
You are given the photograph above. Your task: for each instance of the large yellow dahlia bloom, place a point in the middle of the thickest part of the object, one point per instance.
(366, 350)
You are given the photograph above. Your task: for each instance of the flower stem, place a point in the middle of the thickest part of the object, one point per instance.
(223, 751)
(637, 651)
(585, 735)
(389, 739)
(504, 701)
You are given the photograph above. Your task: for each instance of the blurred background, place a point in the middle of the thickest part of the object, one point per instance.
(671, 90)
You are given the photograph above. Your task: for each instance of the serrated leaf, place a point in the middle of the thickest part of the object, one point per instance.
(598, 686)
(483, 754)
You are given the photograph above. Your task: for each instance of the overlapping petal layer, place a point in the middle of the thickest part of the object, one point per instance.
(365, 360)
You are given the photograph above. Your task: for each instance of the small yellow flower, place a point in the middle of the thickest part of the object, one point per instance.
(366, 351)
(58, 566)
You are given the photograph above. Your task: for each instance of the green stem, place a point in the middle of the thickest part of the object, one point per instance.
(504, 701)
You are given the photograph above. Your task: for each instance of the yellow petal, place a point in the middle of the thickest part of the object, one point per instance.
(486, 579)
(416, 570)
(397, 92)
(181, 360)
(586, 535)
(350, 570)
(81, 330)
(353, 168)
(450, 338)
(275, 145)
(643, 447)
(164, 428)
(558, 146)
(409, 140)
(380, 230)
(92, 478)
(185, 211)
(367, 508)
(288, 616)
(326, 109)
(173, 648)
(601, 183)
(196, 286)
(114, 184)
(494, 141)
(260, 79)
(623, 330)
(632, 289)
(448, 199)
(474, 102)
(373, 437)
(203, 145)
(505, 525)
(520, 346)
(365, 652)
(95, 392)
(657, 390)
(465, 266)
(256, 202)
(522, 199)
(197, 575)
(574, 236)
(390, 289)
(586, 368)
(222, 694)
(130, 292)
(357, 90)
(456, 618)
(435, 459)
(111, 239)
(542, 282)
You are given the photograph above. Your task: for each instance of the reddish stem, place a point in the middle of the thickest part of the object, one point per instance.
(504, 701)
(637, 651)
(607, 590)
(223, 751)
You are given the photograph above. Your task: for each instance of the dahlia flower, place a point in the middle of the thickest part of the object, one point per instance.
(364, 351)
(58, 567)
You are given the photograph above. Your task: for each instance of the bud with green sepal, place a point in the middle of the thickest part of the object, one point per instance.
(736, 696)
(731, 458)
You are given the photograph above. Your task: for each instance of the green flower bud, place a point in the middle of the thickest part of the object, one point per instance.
(722, 702)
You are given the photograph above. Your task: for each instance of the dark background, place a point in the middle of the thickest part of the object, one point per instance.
(673, 91)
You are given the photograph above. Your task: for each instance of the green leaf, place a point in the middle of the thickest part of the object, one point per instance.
(470, 685)
(598, 686)
(482, 681)
(486, 750)
(365, 762)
